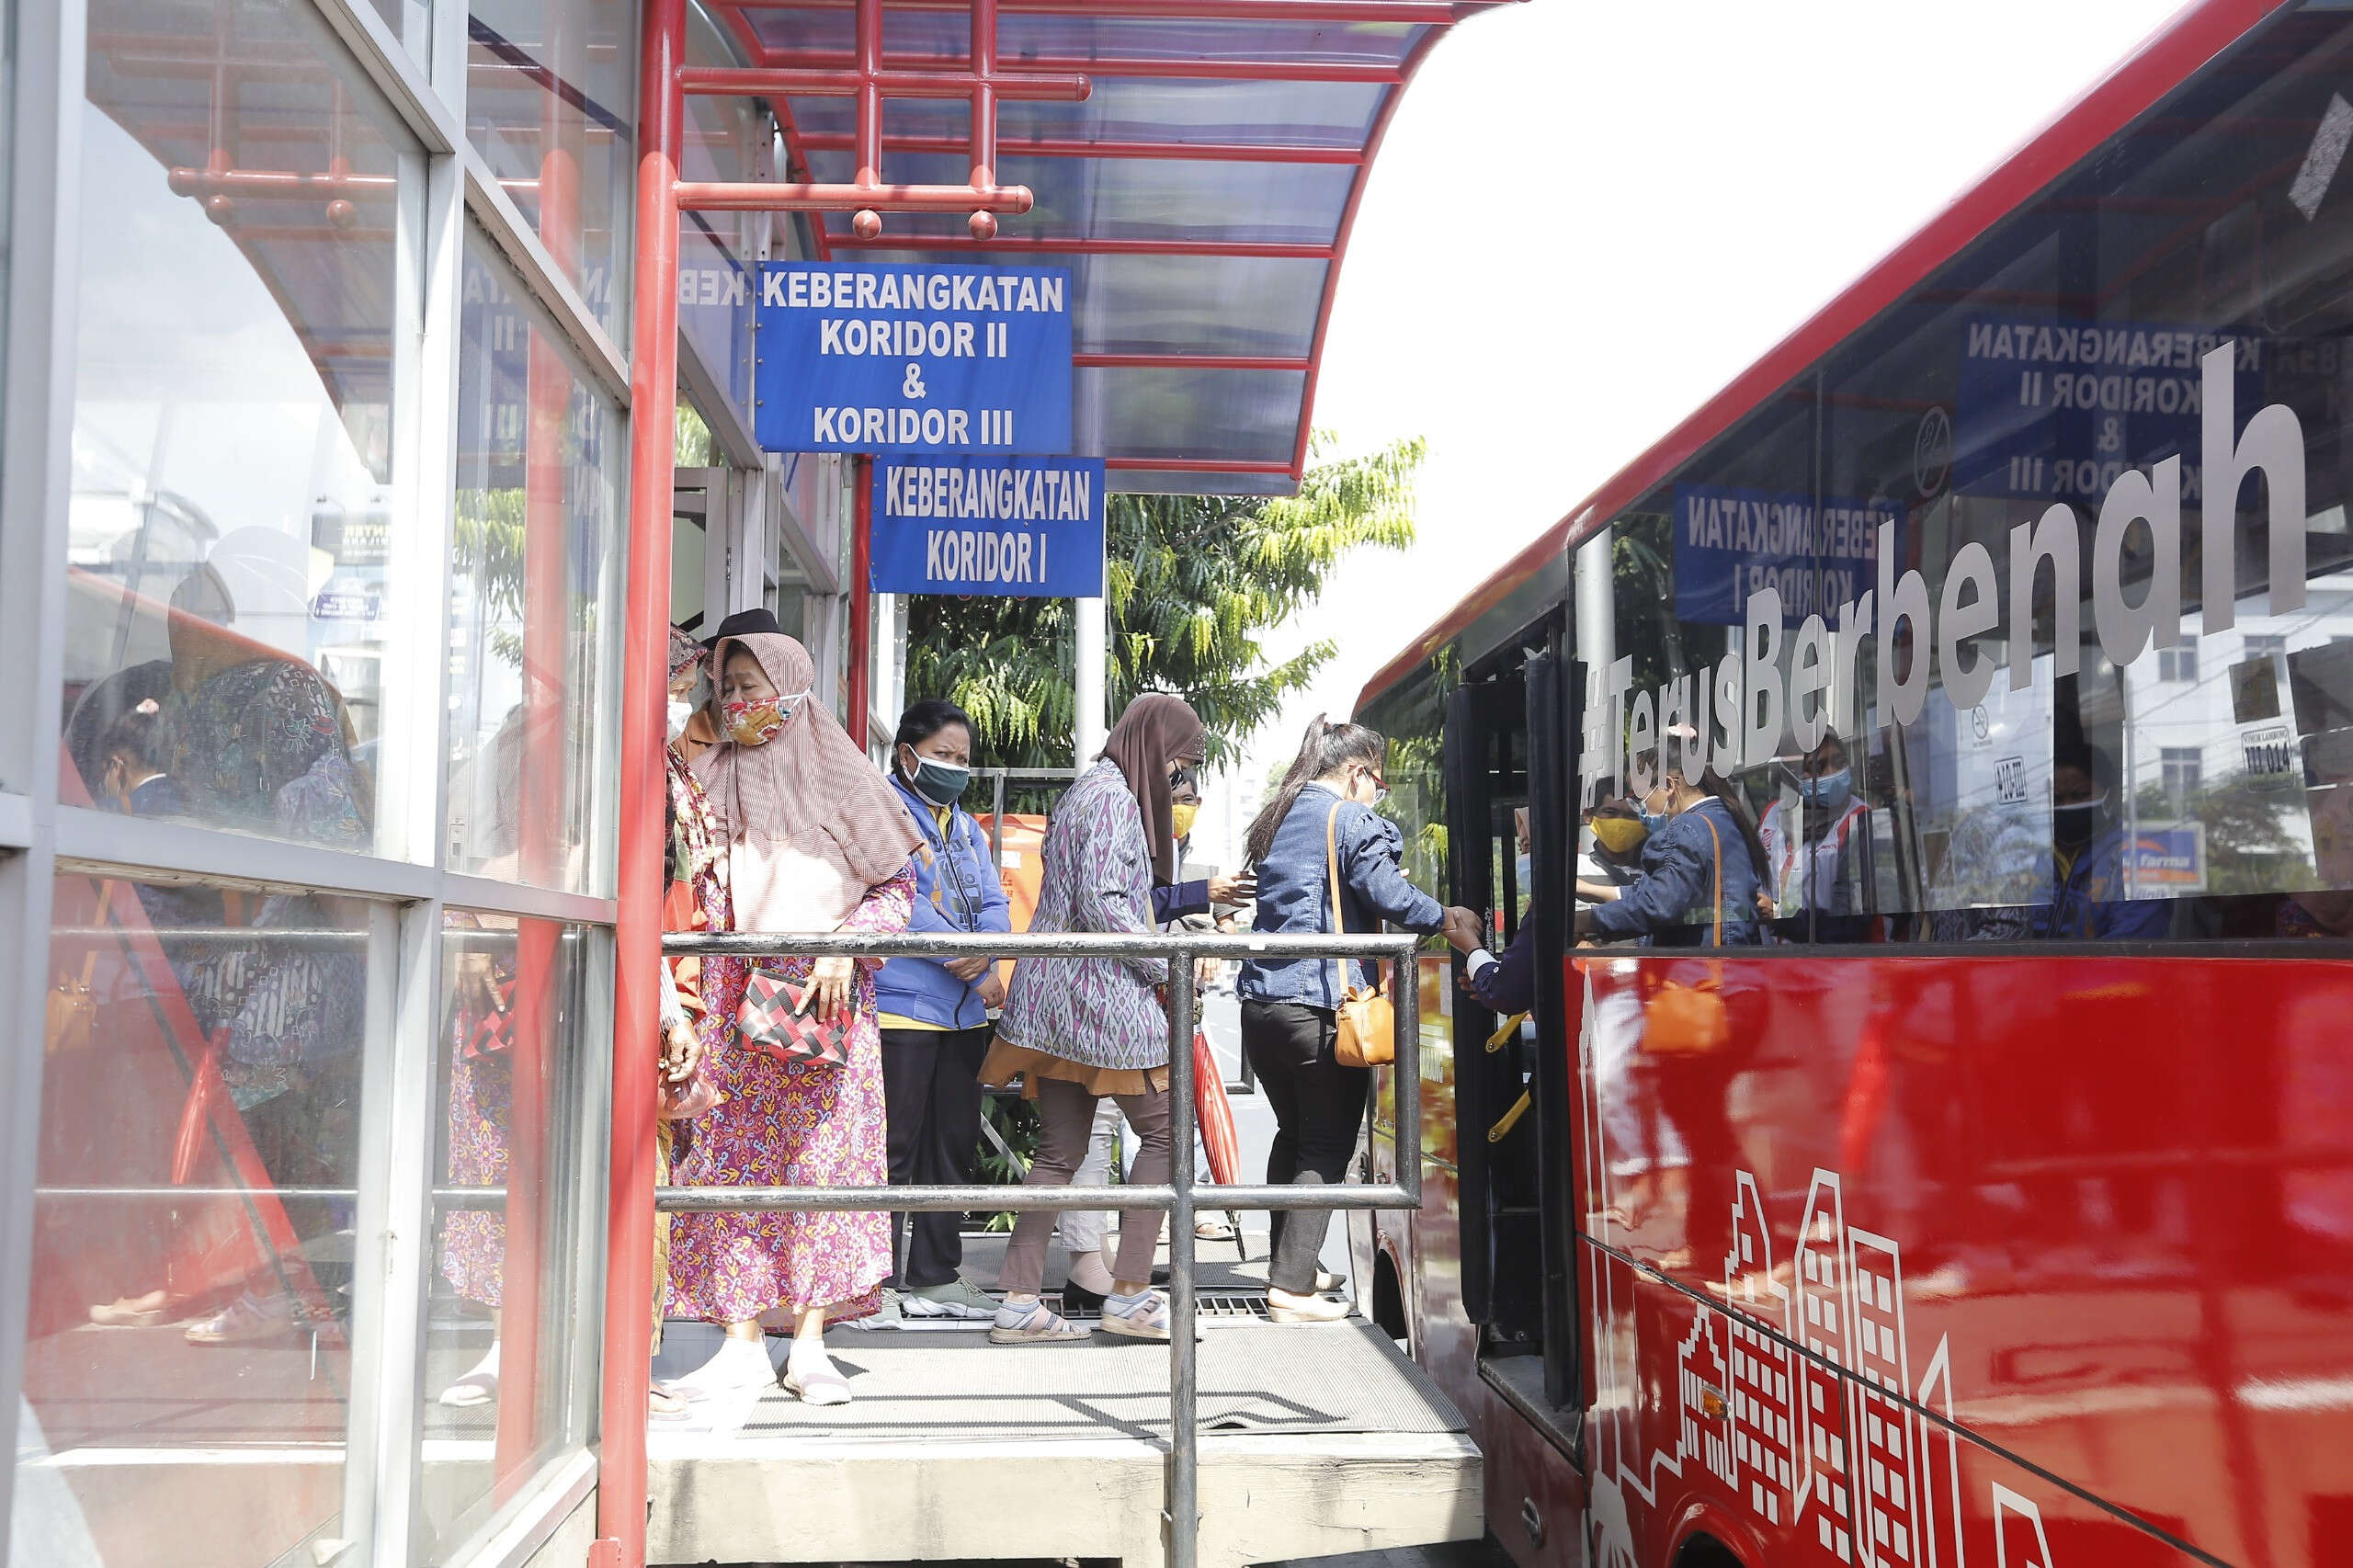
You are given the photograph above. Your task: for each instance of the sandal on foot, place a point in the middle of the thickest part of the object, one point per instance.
(1142, 1316)
(820, 1384)
(1032, 1323)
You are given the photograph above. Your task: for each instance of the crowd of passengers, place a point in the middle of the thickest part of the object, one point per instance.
(835, 1071)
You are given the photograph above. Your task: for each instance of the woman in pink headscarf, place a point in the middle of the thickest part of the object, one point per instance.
(816, 842)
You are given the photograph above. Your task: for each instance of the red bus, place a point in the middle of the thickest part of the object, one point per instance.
(1986, 1199)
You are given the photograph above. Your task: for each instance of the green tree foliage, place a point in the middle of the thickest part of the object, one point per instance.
(1195, 583)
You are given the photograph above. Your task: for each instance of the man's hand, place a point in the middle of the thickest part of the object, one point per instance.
(967, 969)
(1233, 889)
(993, 990)
(681, 1053)
(1464, 929)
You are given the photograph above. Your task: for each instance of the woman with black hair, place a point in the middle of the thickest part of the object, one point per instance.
(1322, 817)
(1703, 864)
(936, 1011)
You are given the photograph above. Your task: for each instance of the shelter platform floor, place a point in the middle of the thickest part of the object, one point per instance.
(1315, 1441)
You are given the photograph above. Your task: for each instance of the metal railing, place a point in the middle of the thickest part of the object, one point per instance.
(1180, 1197)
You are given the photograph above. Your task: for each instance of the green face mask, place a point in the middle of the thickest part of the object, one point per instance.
(942, 783)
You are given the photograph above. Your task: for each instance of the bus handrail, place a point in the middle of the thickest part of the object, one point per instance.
(1180, 1196)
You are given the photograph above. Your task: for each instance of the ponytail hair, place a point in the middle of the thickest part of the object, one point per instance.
(1714, 783)
(1325, 746)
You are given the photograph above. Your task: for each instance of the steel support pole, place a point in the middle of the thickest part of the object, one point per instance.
(1184, 1382)
(653, 381)
(861, 595)
(1086, 677)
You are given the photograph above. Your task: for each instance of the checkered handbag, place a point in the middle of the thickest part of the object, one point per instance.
(771, 1020)
(493, 1032)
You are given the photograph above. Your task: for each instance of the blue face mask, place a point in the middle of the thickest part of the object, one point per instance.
(1523, 870)
(1831, 791)
(1652, 821)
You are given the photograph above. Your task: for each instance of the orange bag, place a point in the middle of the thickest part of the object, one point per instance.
(1692, 1020)
(1367, 1020)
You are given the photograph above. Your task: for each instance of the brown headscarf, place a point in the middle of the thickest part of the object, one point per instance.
(808, 822)
(1155, 731)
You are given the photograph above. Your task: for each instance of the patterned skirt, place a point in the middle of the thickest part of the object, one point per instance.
(786, 1126)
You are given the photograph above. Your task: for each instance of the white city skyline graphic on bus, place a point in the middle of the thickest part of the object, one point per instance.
(1831, 1444)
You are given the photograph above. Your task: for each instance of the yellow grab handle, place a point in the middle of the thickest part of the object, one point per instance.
(1505, 1032)
(1501, 1129)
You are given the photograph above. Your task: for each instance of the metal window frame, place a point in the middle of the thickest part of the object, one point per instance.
(446, 188)
(1180, 1197)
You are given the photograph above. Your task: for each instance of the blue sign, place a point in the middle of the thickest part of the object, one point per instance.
(913, 359)
(1021, 528)
(1729, 543)
(2057, 410)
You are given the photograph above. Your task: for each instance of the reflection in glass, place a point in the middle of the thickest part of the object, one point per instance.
(549, 89)
(535, 574)
(230, 537)
(504, 1320)
(187, 1358)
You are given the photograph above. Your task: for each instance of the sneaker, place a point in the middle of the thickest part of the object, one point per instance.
(245, 1319)
(890, 1312)
(1031, 1323)
(960, 1297)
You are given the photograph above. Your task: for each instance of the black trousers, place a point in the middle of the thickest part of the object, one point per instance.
(931, 1091)
(1319, 1107)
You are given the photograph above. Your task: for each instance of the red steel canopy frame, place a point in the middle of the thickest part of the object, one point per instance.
(2193, 35)
(868, 77)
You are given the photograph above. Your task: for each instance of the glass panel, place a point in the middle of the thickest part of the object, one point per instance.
(946, 37)
(549, 89)
(505, 1306)
(536, 584)
(1128, 198)
(1247, 416)
(232, 548)
(1282, 114)
(187, 1359)
(1176, 304)
(2026, 680)
(11, 768)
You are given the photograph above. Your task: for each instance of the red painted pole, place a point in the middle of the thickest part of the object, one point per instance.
(654, 386)
(861, 595)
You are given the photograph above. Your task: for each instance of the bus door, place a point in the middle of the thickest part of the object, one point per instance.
(1503, 738)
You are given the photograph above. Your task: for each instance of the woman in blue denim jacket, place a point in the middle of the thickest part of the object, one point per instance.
(935, 1012)
(1287, 1004)
(1694, 828)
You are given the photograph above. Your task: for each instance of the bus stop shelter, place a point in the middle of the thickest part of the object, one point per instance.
(1197, 164)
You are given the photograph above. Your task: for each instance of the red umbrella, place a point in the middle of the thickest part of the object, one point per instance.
(1214, 1112)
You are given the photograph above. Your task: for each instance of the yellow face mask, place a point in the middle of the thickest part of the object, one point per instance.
(1181, 818)
(1620, 836)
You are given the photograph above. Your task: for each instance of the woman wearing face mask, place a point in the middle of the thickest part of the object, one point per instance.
(1321, 816)
(1814, 863)
(1076, 1030)
(935, 1012)
(815, 842)
(1701, 861)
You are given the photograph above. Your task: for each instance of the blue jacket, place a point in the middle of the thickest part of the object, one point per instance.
(1295, 894)
(1509, 984)
(957, 889)
(2091, 905)
(1669, 903)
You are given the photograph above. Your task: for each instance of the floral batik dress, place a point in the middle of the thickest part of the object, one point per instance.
(788, 1126)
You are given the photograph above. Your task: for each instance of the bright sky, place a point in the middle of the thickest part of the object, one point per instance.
(1587, 217)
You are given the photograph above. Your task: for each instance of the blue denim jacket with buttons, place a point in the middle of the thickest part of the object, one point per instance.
(1295, 894)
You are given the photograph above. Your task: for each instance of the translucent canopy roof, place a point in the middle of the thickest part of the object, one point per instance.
(1200, 194)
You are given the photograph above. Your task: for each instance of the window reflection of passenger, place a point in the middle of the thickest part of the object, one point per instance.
(1700, 860)
(259, 740)
(2088, 851)
(1819, 866)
